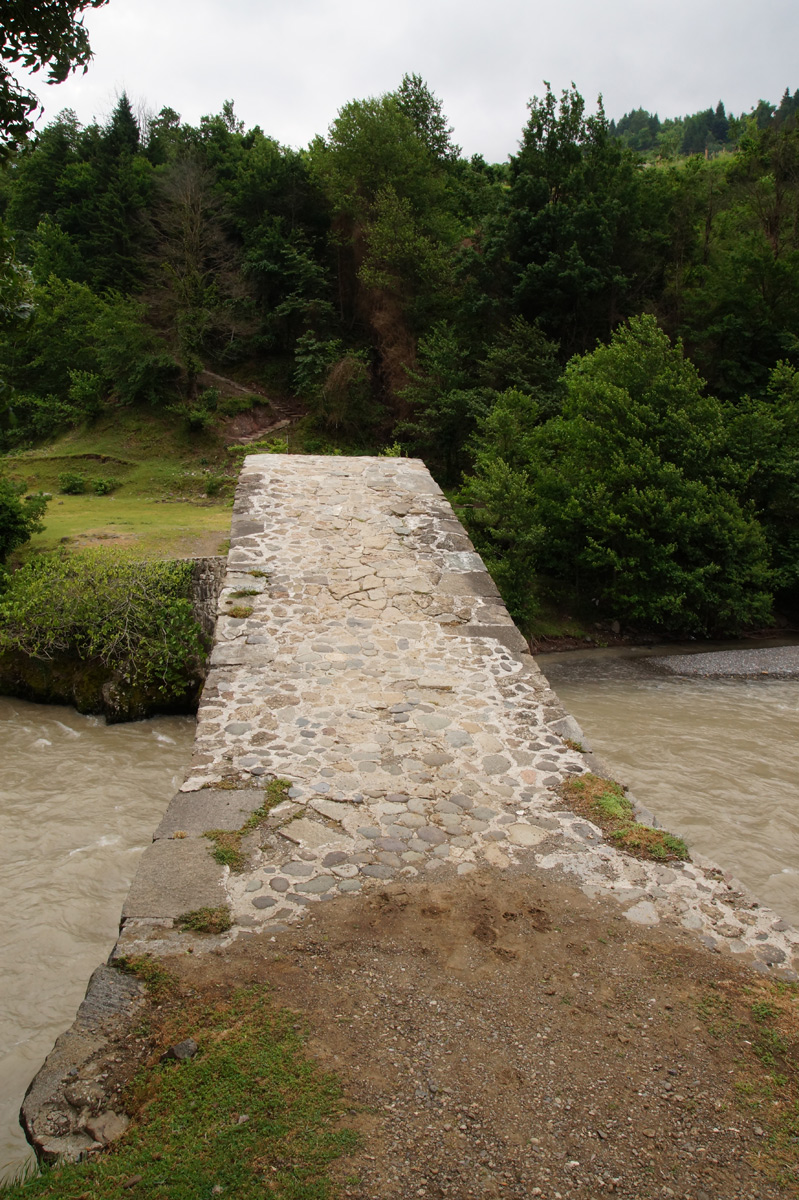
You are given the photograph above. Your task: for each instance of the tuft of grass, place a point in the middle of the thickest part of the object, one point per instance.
(206, 920)
(245, 592)
(227, 849)
(157, 979)
(240, 611)
(604, 802)
(12, 1183)
(250, 1116)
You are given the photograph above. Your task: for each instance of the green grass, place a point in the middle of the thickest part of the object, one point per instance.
(160, 476)
(251, 1115)
(604, 802)
(206, 920)
(764, 1034)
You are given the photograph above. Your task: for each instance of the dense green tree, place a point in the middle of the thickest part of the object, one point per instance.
(576, 225)
(452, 387)
(633, 493)
(394, 228)
(764, 437)
(417, 102)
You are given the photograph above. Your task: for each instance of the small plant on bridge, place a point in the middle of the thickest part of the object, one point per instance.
(240, 611)
(206, 920)
(603, 801)
(227, 849)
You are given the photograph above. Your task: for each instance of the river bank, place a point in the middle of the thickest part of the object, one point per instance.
(78, 803)
(707, 742)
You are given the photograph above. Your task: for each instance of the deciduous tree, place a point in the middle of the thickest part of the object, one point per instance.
(36, 34)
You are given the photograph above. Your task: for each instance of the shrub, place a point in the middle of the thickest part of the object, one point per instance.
(19, 517)
(214, 484)
(134, 617)
(101, 486)
(72, 483)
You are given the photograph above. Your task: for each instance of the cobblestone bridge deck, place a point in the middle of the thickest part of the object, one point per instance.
(364, 654)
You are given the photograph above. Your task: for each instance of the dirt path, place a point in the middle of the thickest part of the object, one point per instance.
(501, 1035)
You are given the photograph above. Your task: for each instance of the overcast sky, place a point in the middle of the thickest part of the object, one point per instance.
(289, 65)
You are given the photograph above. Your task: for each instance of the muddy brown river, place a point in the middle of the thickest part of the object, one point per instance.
(715, 760)
(79, 800)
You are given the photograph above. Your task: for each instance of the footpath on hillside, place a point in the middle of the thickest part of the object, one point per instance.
(375, 825)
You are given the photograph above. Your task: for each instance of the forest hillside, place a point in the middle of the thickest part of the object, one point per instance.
(594, 344)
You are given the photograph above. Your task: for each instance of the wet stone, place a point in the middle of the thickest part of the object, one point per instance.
(315, 887)
(279, 885)
(264, 902)
(298, 869)
(334, 858)
(377, 871)
(432, 835)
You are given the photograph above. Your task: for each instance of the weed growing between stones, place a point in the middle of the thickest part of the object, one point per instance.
(250, 1115)
(604, 802)
(240, 611)
(206, 920)
(227, 849)
(157, 979)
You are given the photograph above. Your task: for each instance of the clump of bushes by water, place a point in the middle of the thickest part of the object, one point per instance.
(134, 617)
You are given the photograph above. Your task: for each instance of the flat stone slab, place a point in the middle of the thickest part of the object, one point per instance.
(175, 876)
(527, 835)
(313, 834)
(194, 813)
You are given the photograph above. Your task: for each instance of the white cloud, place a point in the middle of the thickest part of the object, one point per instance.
(290, 67)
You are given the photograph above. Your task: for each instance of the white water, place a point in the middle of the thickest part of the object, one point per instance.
(79, 801)
(715, 760)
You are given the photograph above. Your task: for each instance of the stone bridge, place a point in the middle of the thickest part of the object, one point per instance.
(364, 655)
